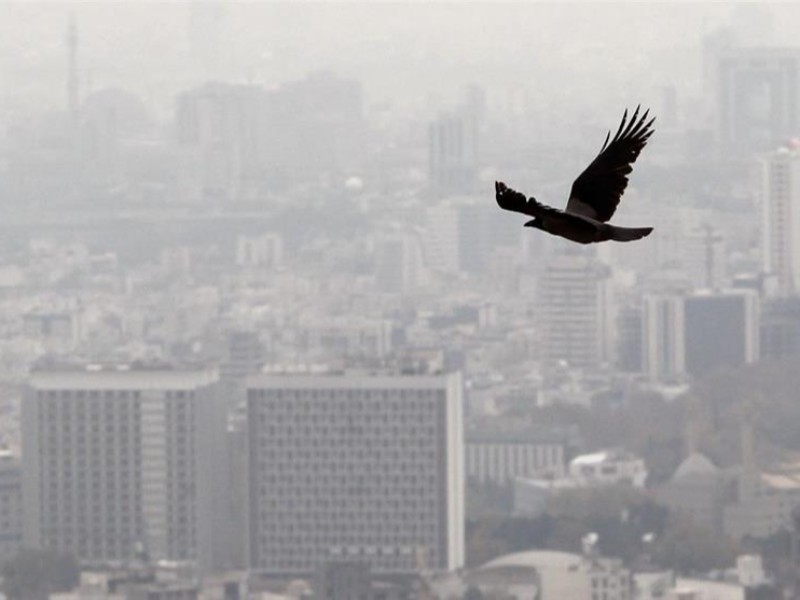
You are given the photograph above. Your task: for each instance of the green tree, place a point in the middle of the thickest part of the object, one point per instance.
(688, 548)
(34, 574)
(473, 593)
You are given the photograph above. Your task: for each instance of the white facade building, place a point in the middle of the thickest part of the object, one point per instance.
(608, 467)
(576, 312)
(663, 342)
(355, 467)
(781, 219)
(571, 576)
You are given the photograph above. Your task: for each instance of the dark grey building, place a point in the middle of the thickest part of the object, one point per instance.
(758, 96)
(780, 328)
(118, 457)
(721, 330)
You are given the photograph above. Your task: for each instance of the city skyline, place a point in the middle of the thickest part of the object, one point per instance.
(264, 331)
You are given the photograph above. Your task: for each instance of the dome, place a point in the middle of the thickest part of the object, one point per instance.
(695, 464)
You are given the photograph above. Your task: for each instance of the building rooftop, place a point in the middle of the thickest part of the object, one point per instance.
(135, 377)
(596, 458)
(781, 481)
(348, 380)
(537, 559)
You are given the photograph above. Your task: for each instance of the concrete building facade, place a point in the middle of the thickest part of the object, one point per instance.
(781, 220)
(122, 457)
(355, 467)
(576, 312)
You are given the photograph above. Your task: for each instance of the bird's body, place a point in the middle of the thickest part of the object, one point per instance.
(586, 230)
(595, 193)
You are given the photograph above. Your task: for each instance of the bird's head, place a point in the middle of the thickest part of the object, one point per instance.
(537, 223)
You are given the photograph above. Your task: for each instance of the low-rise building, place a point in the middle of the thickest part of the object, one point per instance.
(499, 457)
(608, 467)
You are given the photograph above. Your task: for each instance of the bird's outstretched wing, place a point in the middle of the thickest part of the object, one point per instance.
(597, 191)
(509, 199)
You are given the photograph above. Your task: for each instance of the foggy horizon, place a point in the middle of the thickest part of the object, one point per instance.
(270, 328)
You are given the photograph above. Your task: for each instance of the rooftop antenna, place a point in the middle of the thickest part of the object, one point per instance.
(72, 73)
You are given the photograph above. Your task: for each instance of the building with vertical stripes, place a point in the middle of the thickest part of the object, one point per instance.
(120, 457)
(576, 312)
(499, 457)
(781, 220)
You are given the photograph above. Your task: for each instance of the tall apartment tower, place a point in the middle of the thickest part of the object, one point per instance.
(781, 220)
(758, 96)
(218, 129)
(452, 154)
(663, 337)
(119, 457)
(355, 467)
(576, 318)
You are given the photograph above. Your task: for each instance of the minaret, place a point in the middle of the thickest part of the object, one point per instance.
(72, 74)
(749, 479)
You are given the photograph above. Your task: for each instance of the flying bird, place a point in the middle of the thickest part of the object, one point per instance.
(595, 193)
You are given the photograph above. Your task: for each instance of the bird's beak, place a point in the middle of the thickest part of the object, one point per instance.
(530, 223)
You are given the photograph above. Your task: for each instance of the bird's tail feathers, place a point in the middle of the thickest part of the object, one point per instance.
(628, 234)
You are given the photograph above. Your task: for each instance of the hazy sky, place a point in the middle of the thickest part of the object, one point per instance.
(416, 50)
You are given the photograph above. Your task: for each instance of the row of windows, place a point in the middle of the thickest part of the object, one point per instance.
(80, 394)
(324, 435)
(380, 556)
(424, 527)
(310, 507)
(111, 393)
(276, 395)
(350, 449)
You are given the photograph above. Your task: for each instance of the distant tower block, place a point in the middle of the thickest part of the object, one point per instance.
(758, 97)
(576, 312)
(72, 73)
(453, 150)
(781, 220)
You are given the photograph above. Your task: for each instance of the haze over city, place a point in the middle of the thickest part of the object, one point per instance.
(266, 333)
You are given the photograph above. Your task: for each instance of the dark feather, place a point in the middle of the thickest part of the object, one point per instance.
(509, 199)
(597, 191)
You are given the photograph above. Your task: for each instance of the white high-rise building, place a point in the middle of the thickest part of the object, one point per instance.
(576, 316)
(115, 458)
(663, 343)
(781, 219)
(355, 467)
